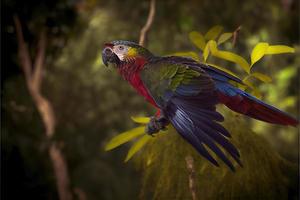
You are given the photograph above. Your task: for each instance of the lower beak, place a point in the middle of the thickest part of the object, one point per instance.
(109, 57)
(105, 59)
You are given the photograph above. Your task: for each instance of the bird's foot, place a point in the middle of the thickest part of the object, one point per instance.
(156, 124)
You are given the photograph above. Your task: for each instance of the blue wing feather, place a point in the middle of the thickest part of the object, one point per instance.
(195, 130)
(191, 108)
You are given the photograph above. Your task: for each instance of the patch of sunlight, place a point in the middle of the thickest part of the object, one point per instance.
(253, 40)
(97, 63)
(98, 18)
(228, 45)
(259, 127)
(284, 75)
(287, 102)
(62, 60)
(264, 36)
(288, 134)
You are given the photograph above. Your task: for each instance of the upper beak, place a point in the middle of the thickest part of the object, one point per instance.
(108, 56)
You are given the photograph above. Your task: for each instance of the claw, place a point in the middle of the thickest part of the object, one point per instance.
(155, 125)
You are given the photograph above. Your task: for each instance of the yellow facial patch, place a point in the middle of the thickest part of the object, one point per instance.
(131, 52)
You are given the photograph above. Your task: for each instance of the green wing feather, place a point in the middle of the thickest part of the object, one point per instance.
(167, 75)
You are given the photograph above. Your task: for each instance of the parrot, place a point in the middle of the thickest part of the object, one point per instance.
(185, 93)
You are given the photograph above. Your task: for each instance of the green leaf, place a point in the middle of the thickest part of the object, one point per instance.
(124, 137)
(189, 54)
(213, 32)
(137, 146)
(197, 39)
(224, 37)
(279, 49)
(258, 52)
(226, 55)
(141, 120)
(262, 77)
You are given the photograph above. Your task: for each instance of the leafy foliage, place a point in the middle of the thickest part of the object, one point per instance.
(197, 39)
(130, 135)
(166, 154)
(213, 33)
(165, 174)
(137, 146)
(124, 137)
(208, 45)
(258, 52)
(224, 37)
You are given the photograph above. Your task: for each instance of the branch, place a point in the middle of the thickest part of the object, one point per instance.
(61, 172)
(80, 194)
(39, 61)
(235, 35)
(148, 24)
(33, 79)
(46, 111)
(192, 184)
(23, 52)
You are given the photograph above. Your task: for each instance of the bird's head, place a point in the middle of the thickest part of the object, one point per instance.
(120, 52)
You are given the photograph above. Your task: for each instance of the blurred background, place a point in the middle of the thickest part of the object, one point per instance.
(91, 103)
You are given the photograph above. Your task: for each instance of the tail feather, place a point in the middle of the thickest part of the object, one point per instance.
(244, 103)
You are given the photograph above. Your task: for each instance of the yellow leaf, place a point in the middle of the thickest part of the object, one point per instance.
(137, 146)
(206, 51)
(226, 55)
(141, 120)
(212, 46)
(204, 167)
(256, 92)
(254, 89)
(213, 32)
(258, 52)
(224, 37)
(198, 39)
(241, 86)
(234, 58)
(189, 54)
(223, 69)
(124, 137)
(262, 77)
(247, 82)
(279, 49)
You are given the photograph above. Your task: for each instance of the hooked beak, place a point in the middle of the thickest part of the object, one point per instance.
(108, 56)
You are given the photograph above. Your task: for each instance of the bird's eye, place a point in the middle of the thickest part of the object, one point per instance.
(121, 48)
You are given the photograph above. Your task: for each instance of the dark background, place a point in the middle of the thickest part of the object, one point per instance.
(92, 103)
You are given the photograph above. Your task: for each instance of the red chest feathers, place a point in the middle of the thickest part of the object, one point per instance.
(131, 73)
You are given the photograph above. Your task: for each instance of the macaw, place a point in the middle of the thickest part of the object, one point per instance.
(186, 93)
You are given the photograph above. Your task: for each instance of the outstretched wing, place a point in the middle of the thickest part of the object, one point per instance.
(187, 95)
